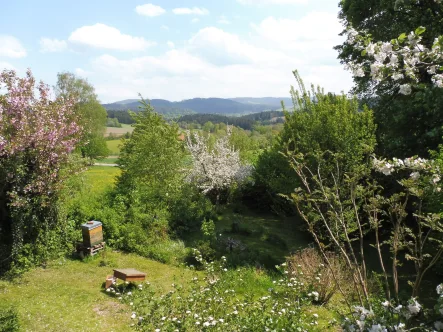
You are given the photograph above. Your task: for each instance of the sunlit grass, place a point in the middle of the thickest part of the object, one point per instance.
(67, 295)
(99, 178)
(114, 146)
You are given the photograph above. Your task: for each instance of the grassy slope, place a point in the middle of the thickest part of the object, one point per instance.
(67, 295)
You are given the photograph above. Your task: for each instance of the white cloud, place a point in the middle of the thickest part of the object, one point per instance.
(165, 27)
(221, 48)
(272, 2)
(216, 63)
(48, 45)
(223, 20)
(149, 10)
(310, 38)
(11, 47)
(170, 44)
(190, 11)
(195, 20)
(103, 36)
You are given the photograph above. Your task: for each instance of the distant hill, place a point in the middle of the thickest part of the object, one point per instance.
(275, 102)
(236, 106)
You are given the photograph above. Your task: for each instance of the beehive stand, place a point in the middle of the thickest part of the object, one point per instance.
(92, 239)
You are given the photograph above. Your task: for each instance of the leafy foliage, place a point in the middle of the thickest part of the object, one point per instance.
(319, 122)
(91, 115)
(406, 125)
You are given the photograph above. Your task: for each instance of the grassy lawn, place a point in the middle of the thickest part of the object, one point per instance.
(114, 146)
(99, 178)
(68, 294)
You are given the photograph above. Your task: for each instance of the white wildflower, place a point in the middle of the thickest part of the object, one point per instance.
(415, 175)
(376, 328)
(397, 76)
(405, 89)
(414, 307)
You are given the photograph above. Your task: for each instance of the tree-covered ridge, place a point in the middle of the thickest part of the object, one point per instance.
(197, 105)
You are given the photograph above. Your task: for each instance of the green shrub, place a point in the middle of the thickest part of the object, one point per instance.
(9, 321)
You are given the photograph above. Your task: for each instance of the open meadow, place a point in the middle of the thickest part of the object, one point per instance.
(126, 128)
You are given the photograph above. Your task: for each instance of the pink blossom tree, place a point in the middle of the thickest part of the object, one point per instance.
(37, 136)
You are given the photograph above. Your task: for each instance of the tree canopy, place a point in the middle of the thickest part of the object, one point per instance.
(92, 116)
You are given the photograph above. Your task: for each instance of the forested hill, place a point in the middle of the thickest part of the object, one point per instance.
(203, 105)
(245, 121)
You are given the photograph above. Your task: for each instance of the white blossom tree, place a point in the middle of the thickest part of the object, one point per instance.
(215, 170)
(401, 60)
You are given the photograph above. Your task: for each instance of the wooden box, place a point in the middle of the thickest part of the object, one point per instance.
(92, 233)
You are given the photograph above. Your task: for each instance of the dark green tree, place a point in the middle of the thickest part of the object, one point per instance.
(318, 123)
(407, 125)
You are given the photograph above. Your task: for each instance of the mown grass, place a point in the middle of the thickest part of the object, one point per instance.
(114, 146)
(68, 294)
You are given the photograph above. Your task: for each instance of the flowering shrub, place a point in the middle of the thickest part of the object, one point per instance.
(217, 169)
(402, 60)
(211, 303)
(37, 136)
(390, 317)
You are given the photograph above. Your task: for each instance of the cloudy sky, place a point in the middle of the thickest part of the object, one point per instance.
(176, 49)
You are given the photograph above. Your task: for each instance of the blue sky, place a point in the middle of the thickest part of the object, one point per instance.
(176, 49)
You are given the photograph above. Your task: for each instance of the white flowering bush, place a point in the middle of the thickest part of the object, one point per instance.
(415, 234)
(386, 316)
(402, 60)
(210, 303)
(217, 169)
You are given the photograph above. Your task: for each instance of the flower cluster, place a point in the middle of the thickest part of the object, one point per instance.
(217, 168)
(395, 317)
(37, 130)
(401, 60)
(211, 302)
(419, 168)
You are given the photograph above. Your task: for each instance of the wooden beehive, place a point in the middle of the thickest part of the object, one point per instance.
(92, 233)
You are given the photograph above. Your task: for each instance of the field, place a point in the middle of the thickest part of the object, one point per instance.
(68, 295)
(119, 131)
(114, 146)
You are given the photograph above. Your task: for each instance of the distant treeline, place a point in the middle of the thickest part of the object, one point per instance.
(246, 121)
(121, 116)
(125, 116)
